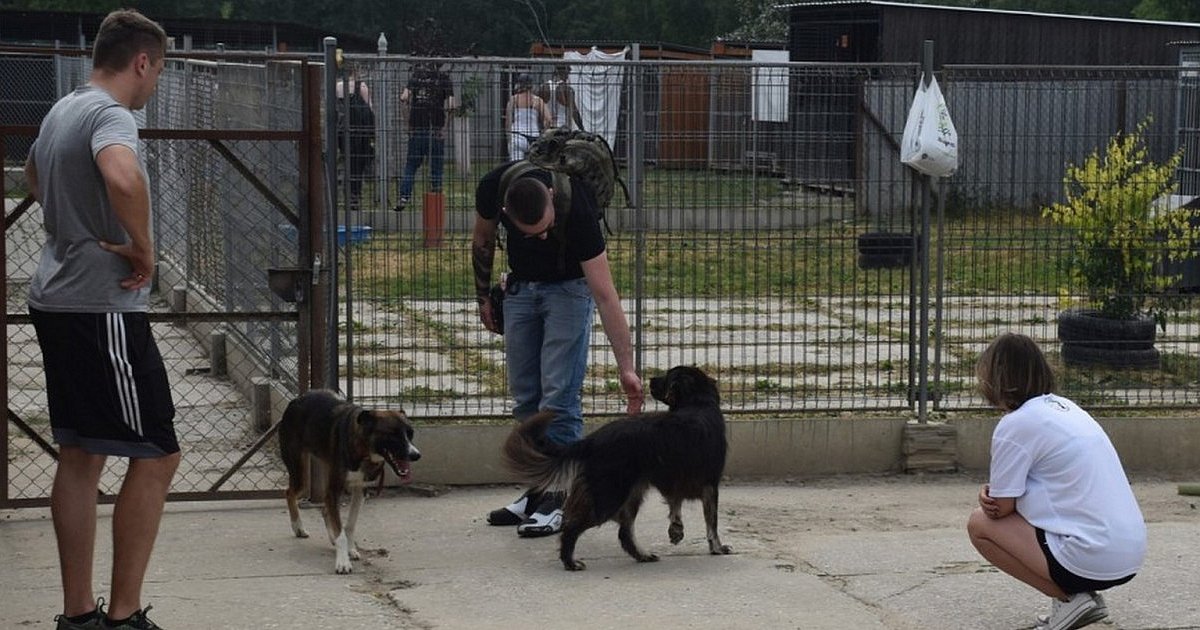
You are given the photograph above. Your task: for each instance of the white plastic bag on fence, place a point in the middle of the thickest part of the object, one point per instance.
(930, 142)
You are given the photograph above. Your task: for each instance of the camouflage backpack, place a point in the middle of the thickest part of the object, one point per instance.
(565, 154)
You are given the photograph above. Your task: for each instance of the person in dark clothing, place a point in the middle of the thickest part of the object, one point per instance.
(559, 276)
(359, 123)
(428, 95)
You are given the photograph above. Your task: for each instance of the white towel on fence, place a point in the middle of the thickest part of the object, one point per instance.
(598, 91)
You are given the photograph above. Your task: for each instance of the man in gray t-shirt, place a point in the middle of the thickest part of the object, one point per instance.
(106, 385)
(76, 273)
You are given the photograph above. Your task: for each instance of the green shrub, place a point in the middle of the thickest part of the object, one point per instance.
(1122, 238)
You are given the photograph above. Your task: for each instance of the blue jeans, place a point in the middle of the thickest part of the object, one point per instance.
(421, 143)
(547, 327)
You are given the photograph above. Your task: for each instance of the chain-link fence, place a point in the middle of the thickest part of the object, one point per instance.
(225, 143)
(772, 238)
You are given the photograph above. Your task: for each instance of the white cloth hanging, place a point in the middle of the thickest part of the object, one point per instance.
(598, 90)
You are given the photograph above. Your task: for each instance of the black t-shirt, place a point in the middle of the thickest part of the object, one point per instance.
(429, 90)
(537, 259)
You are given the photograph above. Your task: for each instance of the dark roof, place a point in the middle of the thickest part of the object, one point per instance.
(882, 3)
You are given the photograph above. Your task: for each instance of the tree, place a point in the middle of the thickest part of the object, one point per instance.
(1169, 10)
(507, 27)
(759, 20)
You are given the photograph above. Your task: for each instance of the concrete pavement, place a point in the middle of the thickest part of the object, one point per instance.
(865, 553)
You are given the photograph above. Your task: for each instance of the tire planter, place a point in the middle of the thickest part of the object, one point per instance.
(1090, 339)
(883, 250)
(882, 261)
(1086, 327)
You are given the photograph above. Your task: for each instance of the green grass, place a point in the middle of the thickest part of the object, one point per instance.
(1177, 371)
(990, 255)
(661, 188)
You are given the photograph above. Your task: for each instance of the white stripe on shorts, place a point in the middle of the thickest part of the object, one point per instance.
(118, 354)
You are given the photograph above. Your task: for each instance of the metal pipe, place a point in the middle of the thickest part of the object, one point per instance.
(330, 53)
(636, 178)
(923, 254)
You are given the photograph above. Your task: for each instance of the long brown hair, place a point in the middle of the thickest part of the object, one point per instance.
(1012, 370)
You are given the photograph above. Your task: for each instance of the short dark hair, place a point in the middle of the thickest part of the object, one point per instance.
(526, 200)
(123, 34)
(1012, 370)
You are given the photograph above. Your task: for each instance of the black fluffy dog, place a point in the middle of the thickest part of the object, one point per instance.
(681, 452)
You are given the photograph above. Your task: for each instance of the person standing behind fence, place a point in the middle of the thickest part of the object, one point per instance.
(1057, 512)
(429, 96)
(558, 93)
(525, 116)
(358, 123)
(106, 386)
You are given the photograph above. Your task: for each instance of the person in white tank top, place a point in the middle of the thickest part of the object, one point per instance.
(1058, 512)
(525, 117)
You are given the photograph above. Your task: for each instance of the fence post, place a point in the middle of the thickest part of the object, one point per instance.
(310, 326)
(923, 254)
(329, 251)
(636, 169)
(382, 133)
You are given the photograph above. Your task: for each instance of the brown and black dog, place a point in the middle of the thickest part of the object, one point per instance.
(354, 443)
(681, 452)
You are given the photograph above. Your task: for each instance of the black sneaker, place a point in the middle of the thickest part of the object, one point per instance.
(546, 519)
(94, 621)
(137, 621)
(516, 512)
(401, 204)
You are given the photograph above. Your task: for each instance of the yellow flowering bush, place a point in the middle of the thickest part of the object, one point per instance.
(1122, 238)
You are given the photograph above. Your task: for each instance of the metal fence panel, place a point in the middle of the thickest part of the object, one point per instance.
(225, 201)
(745, 251)
(772, 239)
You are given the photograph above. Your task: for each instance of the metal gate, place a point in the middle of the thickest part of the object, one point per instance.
(233, 149)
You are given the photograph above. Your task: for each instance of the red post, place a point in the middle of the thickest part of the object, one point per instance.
(433, 218)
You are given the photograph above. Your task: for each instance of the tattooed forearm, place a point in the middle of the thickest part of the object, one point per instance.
(482, 255)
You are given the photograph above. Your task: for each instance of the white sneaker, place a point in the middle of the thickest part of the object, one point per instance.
(1080, 610)
(546, 519)
(1092, 616)
(1098, 613)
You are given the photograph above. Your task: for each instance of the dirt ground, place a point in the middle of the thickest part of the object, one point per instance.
(861, 552)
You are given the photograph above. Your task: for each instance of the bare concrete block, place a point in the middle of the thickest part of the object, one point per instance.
(178, 300)
(260, 402)
(218, 361)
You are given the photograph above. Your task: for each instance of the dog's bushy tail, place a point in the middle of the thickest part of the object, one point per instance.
(537, 461)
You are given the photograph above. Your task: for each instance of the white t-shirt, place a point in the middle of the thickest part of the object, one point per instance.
(1056, 460)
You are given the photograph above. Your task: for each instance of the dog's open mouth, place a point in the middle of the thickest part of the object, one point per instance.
(400, 466)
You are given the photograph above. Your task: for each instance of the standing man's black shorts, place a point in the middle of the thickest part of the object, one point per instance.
(106, 384)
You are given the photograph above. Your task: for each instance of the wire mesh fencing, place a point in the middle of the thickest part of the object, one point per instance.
(222, 143)
(771, 235)
(774, 237)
